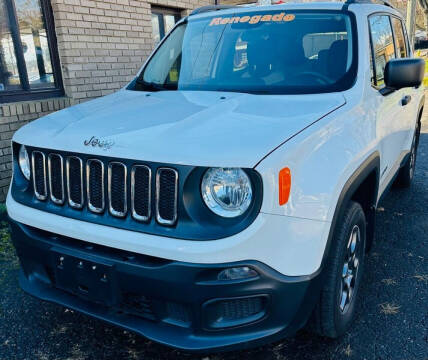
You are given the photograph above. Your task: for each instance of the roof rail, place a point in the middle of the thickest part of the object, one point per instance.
(208, 8)
(380, 2)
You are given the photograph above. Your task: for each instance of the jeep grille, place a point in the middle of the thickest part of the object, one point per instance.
(106, 186)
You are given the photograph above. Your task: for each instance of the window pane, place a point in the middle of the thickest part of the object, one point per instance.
(9, 75)
(155, 28)
(399, 38)
(169, 22)
(317, 48)
(34, 41)
(382, 44)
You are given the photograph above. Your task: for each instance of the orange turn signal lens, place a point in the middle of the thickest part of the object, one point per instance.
(284, 185)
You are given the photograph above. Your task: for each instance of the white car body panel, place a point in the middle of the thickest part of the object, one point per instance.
(169, 126)
(322, 138)
(266, 239)
(324, 156)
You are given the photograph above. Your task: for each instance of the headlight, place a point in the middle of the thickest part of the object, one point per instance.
(227, 191)
(24, 162)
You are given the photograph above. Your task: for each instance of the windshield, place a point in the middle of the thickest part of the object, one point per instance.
(268, 52)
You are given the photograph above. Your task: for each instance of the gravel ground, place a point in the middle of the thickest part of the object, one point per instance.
(391, 324)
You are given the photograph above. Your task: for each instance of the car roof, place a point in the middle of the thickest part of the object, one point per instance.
(312, 5)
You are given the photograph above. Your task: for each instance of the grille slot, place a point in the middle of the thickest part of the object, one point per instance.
(56, 178)
(141, 176)
(39, 175)
(95, 185)
(117, 176)
(230, 310)
(166, 196)
(75, 182)
(138, 305)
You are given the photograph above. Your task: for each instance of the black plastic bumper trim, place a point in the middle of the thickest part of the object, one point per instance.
(159, 282)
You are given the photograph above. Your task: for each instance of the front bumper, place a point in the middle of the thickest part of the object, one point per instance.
(174, 303)
(291, 246)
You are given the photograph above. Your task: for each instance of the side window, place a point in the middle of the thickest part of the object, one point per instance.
(406, 36)
(400, 42)
(383, 44)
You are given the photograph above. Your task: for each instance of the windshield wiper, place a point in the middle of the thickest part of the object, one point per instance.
(152, 86)
(245, 91)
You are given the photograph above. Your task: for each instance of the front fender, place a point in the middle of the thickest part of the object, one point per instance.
(322, 159)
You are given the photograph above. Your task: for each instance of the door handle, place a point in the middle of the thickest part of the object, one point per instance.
(405, 100)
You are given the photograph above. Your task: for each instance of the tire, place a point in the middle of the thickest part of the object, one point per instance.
(407, 172)
(334, 313)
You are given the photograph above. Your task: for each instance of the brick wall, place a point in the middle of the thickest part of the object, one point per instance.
(103, 43)
(12, 117)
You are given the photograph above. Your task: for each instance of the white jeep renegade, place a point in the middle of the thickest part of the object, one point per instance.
(226, 197)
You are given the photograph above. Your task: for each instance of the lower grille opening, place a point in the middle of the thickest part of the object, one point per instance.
(178, 314)
(138, 305)
(235, 312)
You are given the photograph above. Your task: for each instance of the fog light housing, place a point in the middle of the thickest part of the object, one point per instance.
(237, 273)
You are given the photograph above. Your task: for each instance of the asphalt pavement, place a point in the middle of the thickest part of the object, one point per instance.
(391, 323)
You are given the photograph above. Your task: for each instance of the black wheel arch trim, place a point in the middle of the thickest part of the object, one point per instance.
(372, 163)
(421, 106)
(419, 119)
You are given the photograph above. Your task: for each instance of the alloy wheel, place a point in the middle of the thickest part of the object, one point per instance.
(350, 269)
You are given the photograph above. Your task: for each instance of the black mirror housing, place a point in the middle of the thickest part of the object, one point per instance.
(401, 73)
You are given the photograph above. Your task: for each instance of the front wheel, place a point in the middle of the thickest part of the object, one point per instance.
(336, 308)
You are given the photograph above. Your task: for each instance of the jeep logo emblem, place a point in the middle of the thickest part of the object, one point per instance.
(103, 144)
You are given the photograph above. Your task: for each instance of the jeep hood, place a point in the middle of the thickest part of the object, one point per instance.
(180, 127)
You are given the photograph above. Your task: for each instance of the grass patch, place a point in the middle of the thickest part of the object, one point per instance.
(389, 281)
(7, 251)
(423, 278)
(348, 351)
(389, 308)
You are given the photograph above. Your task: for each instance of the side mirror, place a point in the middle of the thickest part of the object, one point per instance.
(401, 73)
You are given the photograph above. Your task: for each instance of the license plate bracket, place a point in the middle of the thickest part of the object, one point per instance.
(84, 277)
